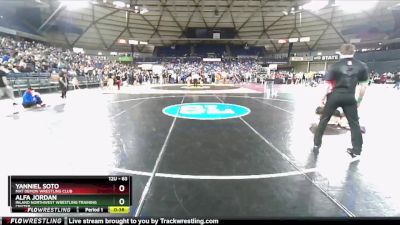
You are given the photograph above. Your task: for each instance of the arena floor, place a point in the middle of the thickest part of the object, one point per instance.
(256, 166)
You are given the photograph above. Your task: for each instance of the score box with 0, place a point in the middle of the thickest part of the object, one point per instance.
(69, 191)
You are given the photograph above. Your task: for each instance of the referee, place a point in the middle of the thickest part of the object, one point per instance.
(342, 79)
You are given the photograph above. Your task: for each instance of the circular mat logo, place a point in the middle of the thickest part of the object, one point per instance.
(206, 111)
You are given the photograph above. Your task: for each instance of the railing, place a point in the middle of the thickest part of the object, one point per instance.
(21, 81)
(17, 75)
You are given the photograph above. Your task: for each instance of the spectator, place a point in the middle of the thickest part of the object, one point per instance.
(397, 81)
(75, 83)
(63, 82)
(118, 81)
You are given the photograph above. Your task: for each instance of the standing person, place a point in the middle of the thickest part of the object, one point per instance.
(269, 86)
(140, 78)
(195, 78)
(397, 80)
(131, 79)
(101, 78)
(110, 81)
(118, 81)
(5, 89)
(342, 79)
(63, 82)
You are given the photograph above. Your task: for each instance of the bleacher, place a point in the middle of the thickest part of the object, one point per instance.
(381, 61)
(239, 50)
(376, 56)
(178, 51)
(384, 66)
(15, 23)
(43, 82)
(205, 50)
(209, 50)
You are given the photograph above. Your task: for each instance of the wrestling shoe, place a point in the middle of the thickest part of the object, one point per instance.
(316, 149)
(15, 110)
(353, 153)
(363, 130)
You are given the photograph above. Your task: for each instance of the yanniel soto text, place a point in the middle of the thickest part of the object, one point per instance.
(36, 186)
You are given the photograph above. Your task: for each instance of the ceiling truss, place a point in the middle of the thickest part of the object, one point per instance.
(257, 22)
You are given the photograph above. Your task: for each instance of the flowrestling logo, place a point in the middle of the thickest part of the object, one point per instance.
(206, 111)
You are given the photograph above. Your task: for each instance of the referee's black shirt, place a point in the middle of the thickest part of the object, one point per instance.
(346, 74)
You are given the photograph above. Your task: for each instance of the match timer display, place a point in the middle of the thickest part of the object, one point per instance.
(70, 194)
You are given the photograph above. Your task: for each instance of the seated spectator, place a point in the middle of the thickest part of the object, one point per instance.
(75, 83)
(6, 57)
(32, 99)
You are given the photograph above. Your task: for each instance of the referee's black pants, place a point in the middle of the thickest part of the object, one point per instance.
(348, 103)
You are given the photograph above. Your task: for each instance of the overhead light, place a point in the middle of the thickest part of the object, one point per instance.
(99, 53)
(143, 11)
(143, 42)
(119, 4)
(292, 40)
(337, 52)
(352, 6)
(395, 7)
(282, 41)
(304, 39)
(78, 50)
(133, 42)
(355, 40)
(285, 13)
(113, 53)
(315, 5)
(319, 53)
(104, 1)
(380, 43)
(122, 41)
(75, 5)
